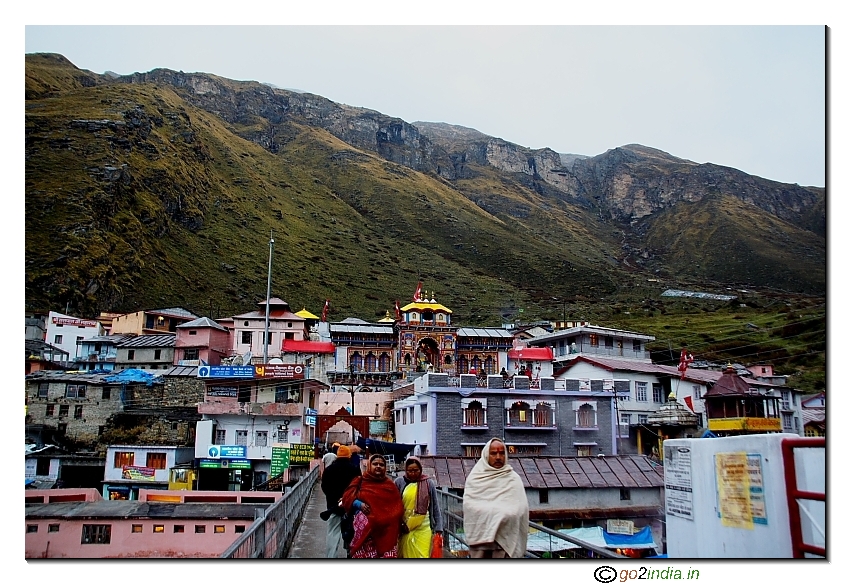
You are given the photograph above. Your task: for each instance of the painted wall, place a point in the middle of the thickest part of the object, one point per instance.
(70, 333)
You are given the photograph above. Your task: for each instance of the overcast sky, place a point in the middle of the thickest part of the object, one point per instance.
(749, 97)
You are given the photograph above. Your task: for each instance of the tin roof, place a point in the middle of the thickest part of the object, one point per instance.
(484, 332)
(149, 341)
(632, 471)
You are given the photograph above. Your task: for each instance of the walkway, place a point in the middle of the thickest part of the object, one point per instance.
(309, 541)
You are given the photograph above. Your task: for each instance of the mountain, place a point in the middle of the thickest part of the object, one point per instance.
(163, 188)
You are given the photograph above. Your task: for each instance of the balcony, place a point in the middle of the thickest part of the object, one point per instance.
(754, 424)
(236, 408)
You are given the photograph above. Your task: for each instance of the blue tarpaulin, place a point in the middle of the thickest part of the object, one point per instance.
(632, 541)
(132, 375)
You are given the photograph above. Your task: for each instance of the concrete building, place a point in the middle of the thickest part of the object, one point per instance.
(67, 332)
(146, 352)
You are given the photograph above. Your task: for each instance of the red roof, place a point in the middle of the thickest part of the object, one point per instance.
(530, 353)
(308, 346)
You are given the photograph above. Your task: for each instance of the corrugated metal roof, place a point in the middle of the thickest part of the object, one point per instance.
(484, 332)
(150, 341)
(180, 371)
(203, 323)
(556, 472)
(174, 313)
(362, 329)
(135, 509)
(592, 330)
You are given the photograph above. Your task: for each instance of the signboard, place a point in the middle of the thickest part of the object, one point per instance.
(618, 526)
(310, 420)
(312, 412)
(243, 372)
(230, 464)
(74, 322)
(138, 473)
(280, 459)
(378, 427)
(300, 453)
(678, 491)
(280, 371)
(227, 451)
(221, 391)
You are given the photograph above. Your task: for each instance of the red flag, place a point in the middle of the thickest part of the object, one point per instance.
(325, 310)
(684, 360)
(690, 403)
(397, 312)
(417, 295)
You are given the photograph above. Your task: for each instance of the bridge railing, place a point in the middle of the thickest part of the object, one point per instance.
(272, 533)
(543, 542)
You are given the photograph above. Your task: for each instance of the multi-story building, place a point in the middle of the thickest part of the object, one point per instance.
(164, 321)
(146, 352)
(131, 467)
(67, 332)
(98, 353)
(201, 341)
(249, 330)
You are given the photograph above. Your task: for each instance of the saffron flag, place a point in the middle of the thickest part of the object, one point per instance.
(684, 360)
(690, 403)
(325, 310)
(397, 312)
(417, 295)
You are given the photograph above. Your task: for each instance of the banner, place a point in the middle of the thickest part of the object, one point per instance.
(280, 460)
(138, 473)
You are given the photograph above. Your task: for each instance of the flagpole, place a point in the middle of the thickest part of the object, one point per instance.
(268, 298)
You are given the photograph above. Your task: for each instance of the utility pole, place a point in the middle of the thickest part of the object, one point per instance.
(268, 298)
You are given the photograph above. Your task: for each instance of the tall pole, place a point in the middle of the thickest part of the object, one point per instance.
(268, 298)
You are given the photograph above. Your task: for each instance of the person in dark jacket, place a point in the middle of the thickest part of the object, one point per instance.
(335, 479)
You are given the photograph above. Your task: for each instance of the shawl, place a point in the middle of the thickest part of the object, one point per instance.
(386, 512)
(495, 508)
(423, 496)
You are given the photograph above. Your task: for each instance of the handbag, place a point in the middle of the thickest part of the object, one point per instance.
(437, 546)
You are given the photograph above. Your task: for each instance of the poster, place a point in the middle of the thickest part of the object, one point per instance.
(733, 489)
(678, 491)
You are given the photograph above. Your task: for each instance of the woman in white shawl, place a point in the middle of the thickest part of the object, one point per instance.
(495, 509)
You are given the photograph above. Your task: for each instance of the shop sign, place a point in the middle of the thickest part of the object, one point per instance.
(226, 372)
(280, 371)
(138, 473)
(300, 453)
(378, 427)
(280, 460)
(230, 464)
(221, 391)
(227, 451)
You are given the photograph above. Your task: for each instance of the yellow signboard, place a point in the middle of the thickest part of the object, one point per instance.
(733, 489)
(745, 424)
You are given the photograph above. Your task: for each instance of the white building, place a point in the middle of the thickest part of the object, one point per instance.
(67, 332)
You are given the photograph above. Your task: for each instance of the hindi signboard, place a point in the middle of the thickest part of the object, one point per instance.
(280, 371)
(300, 453)
(280, 459)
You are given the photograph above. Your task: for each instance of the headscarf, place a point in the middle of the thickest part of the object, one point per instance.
(386, 506)
(423, 495)
(495, 508)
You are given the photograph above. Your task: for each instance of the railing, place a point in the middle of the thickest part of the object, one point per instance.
(543, 542)
(797, 507)
(271, 534)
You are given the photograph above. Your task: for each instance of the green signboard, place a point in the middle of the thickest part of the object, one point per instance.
(300, 453)
(280, 460)
(378, 427)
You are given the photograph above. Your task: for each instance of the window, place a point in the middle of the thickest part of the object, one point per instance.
(157, 354)
(584, 451)
(42, 466)
(640, 391)
(519, 413)
(220, 435)
(42, 390)
(75, 391)
(474, 414)
(472, 450)
(625, 494)
(53, 527)
(63, 410)
(609, 342)
(543, 496)
(78, 412)
(398, 416)
(786, 421)
(106, 393)
(246, 336)
(625, 421)
(404, 416)
(544, 415)
(643, 419)
(191, 354)
(57, 339)
(136, 529)
(123, 458)
(218, 529)
(200, 529)
(657, 393)
(239, 528)
(241, 437)
(594, 340)
(32, 528)
(179, 528)
(586, 416)
(131, 355)
(261, 439)
(155, 460)
(423, 413)
(159, 528)
(48, 411)
(96, 534)
(636, 345)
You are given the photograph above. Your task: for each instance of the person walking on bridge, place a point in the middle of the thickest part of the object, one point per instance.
(495, 508)
(335, 479)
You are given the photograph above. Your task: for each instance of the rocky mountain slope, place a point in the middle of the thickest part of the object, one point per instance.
(162, 188)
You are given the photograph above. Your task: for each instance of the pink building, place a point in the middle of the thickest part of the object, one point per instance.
(201, 340)
(162, 524)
